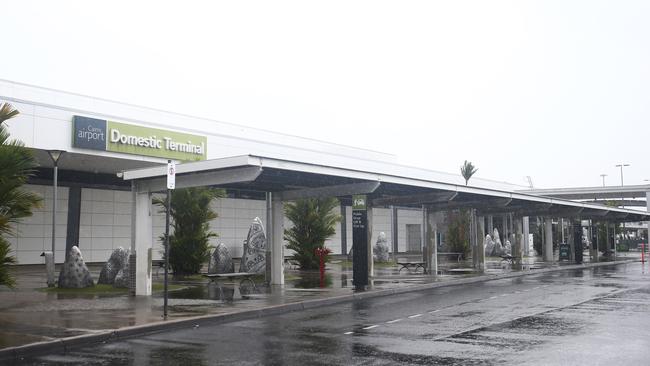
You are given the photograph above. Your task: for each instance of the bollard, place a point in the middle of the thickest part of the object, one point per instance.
(642, 253)
(321, 253)
(49, 268)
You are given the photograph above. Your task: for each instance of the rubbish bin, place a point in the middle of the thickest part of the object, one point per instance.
(564, 252)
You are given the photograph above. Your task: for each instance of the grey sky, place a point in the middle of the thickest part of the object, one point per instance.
(558, 90)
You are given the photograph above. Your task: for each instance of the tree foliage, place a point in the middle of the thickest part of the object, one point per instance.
(190, 217)
(16, 166)
(458, 231)
(313, 223)
(467, 170)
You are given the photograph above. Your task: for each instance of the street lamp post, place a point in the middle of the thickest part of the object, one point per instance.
(55, 155)
(621, 165)
(603, 176)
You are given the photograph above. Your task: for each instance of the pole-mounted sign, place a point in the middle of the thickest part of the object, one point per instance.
(359, 242)
(171, 184)
(171, 175)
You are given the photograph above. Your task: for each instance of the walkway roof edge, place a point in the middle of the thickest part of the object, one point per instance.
(356, 173)
(639, 188)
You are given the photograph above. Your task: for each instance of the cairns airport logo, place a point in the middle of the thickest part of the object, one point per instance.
(99, 134)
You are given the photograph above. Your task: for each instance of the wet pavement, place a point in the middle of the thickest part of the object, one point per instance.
(29, 314)
(573, 317)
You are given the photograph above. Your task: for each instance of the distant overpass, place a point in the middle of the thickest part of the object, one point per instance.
(629, 196)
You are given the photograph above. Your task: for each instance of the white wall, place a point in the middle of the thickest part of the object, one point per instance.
(105, 223)
(34, 234)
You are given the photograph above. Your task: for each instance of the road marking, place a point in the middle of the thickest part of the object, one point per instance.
(517, 292)
(435, 311)
(370, 327)
(415, 316)
(394, 321)
(505, 294)
(535, 288)
(493, 297)
(348, 333)
(526, 290)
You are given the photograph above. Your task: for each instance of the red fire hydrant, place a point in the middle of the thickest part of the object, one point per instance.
(322, 253)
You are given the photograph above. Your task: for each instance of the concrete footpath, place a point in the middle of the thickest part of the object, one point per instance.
(36, 321)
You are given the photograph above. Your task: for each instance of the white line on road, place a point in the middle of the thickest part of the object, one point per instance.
(348, 333)
(415, 316)
(505, 294)
(435, 311)
(370, 327)
(493, 297)
(394, 321)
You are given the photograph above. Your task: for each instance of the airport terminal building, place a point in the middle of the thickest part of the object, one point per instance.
(102, 138)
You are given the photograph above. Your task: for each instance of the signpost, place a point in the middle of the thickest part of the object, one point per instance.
(171, 184)
(359, 242)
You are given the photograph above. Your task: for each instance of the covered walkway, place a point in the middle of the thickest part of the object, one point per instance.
(377, 184)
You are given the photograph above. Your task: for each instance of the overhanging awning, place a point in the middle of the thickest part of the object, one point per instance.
(383, 182)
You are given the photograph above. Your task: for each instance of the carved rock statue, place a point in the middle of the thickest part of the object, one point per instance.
(253, 259)
(498, 247)
(74, 273)
(118, 261)
(380, 250)
(507, 249)
(489, 245)
(122, 278)
(221, 260)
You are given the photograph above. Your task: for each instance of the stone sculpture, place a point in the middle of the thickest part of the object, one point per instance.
(380, 250)
(498, 247)
(221, 260)
(507, 249)
(122, 278)
(253, 258)
(74, 273)
(118, 261)
(489, 245)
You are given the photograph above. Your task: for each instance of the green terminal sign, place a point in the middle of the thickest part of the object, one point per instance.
(358, 202)
(97, 134)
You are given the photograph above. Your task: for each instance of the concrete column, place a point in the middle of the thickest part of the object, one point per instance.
(371, 262)
(142, 244)
(517, 250)
(490, 225)
(526, 236)
(423, 235)
(427, 248)
(480, 231)
(432, 230)
(548, 239)
(472, 239)
(569, 240)
(344, 230)
(647, 200)
(593, 246)
(394, 231)
(276, 237)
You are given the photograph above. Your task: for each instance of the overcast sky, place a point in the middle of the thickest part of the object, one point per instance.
(555, 90)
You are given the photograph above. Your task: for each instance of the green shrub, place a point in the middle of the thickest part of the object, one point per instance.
(313, 223)
(190, 220)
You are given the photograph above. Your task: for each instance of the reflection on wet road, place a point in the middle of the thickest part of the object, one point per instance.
(581, 317)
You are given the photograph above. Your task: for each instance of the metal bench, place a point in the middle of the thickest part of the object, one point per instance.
(508, 258)
(244, 276)
(407, 265)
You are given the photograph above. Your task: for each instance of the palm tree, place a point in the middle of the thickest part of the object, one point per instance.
(467, 170)
(16, 165)
(313, 222)
(191, 215)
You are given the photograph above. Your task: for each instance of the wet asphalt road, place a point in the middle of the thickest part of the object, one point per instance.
(583, 317)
